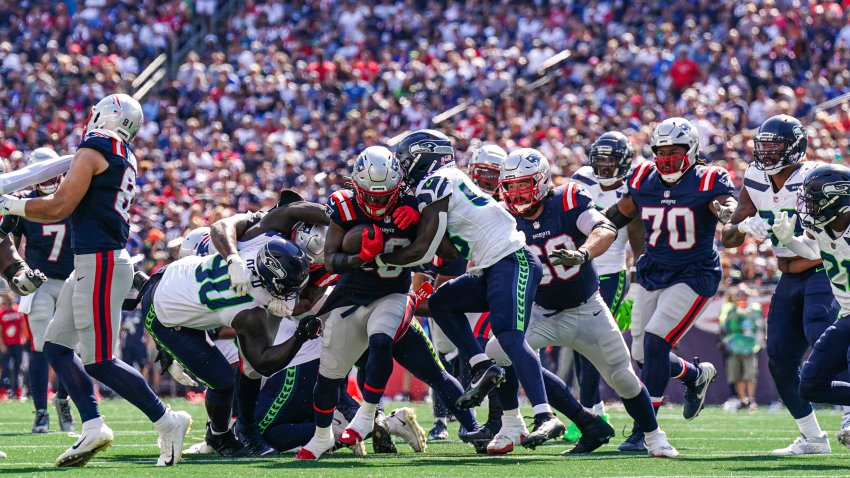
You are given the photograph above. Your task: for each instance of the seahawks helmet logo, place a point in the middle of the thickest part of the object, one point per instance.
(273, 265)
(430, 147)
(837, 189)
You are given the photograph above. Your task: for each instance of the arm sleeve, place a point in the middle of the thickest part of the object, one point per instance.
(34, 174)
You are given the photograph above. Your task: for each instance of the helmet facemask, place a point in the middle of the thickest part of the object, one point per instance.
(771, 154)
(672, 166)
(485, 176)
(522, 193)
(607, 169)
(376, 203)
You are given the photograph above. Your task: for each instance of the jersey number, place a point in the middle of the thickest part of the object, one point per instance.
(769, 217)
(680, 238)
(124, 196)
(475, 195)
(833, 270)
(391, 272)
(215, 291)
(559, 271)
(57, 230)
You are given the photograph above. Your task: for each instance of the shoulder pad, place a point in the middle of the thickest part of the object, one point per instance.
(573, 196)
(639, 173)
(709, 175)
(755, 179)
(343, 200)
(585, 176)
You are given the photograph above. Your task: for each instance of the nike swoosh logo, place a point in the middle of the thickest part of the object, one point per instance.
(171, 461)
(80, 278)
(597, 313)
(819, 269)
(603, 278)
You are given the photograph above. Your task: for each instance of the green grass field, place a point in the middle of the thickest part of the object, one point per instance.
(717, 443)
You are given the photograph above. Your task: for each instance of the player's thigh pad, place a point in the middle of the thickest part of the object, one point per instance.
(598, 338)
(61, 329)
(645, 303)
(344, 339)
(549, 327)
(496, 352)
(439, 339)
(677, 310)
(42, 308)
(387, 314)
(102, 283)
(228, 348)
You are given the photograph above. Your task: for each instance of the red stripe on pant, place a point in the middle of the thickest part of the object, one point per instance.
(405, 321)
(95, 306)
(676, 334)
(482, 325)
(104, 265)
(107, 301)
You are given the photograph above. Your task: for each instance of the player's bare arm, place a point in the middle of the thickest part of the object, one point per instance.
(253, 337)
(21, 279)
(429, 235)
(732, 236)
(637, 237)
(336, 261)
(225, 232)
(308, 299)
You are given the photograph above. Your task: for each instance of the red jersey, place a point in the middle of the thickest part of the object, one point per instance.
(12, 324)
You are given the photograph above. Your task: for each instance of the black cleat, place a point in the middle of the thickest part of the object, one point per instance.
(382, 442)
(593, 435)
(695, 392)
(63, 410)
(226, 444)
(439, 432)
(485, 377)
(635, 442)
(545, 428)
(41, 424)
(253, 441)
(479, 438)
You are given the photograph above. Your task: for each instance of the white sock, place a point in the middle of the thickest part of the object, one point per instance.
(542, 408)
(511, 418)
(478, 358)
(366, 411)
(809, 426)
(93, 424)
(323, 434)
(164, 422)
(650, 436)
(598, 409)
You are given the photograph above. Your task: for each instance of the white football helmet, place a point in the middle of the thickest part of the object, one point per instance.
(119, 113)
(524, 179)
(197, 242)
(311, 239)
(674, 131)
(377, 181)
(484, 167)
(43, 154)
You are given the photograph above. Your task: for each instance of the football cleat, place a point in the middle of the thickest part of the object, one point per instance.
(199, 449)
(382, 441)
(695, 392)
(844, 433)
(359, 428)
(479, 438)
(507, 438)
(251, 438)
(573, 433)
(544, 429)
(439, 432)
(806, 446)
(63, 412)
(485, 377)
(171, 441)
(658, 447)
(226, 444)
(402, 423)
(635, 442)
(593, 435)
(91, 442)
(41, 423)
(316, 447)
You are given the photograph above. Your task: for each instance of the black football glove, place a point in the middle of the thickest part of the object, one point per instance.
(309, 327)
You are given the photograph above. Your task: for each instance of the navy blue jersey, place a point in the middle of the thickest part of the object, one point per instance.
(365, 285)
(557, 227)
(48, 246)
(440, 266)
(101, 220)
(680, 227)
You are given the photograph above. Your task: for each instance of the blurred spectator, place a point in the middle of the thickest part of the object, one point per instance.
(742, 333)
(12, 350)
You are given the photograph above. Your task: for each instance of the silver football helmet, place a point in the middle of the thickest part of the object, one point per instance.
(484, 167)
(311, 239)
(524, 179)
(674, 131)
(377, 181)
(197, 242)
(43, 154)
(119, 113)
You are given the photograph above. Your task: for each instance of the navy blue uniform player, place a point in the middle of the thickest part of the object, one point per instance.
(680, 203)
(97, 193)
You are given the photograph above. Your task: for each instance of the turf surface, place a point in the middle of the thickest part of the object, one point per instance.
(717, 443)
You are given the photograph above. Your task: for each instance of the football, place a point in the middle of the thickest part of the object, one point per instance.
(351, 241)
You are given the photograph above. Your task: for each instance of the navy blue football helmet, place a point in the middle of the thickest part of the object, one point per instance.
(611, 157)
(283, 268)
(825, 194)
(780, 142)
(422, 152)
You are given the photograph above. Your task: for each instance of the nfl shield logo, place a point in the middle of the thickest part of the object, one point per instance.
(666, 194)
(388, 219)
(536, 224)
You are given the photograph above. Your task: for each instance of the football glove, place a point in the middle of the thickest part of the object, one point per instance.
(754, 226)
(279, 307)
(783, 227)
(166, 363)
(566, 257)
(724, 212)
(309, 327)
(405, 216)
(28, 280)
(371, 247)
(240, 278)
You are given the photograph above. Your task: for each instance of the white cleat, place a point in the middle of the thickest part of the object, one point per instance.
(657, 446)
(806, 446)
(170, 441)
(844, 433)
(317, 447)
(91, 441)
(507, 438)
(338, 426)
(199, 449)
(402, 423)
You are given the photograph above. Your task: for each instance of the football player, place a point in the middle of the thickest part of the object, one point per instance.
(193, 295)
(503, 279)
(824, 207)
(484, 167)
(564, 229)
(48, 249)
(802, 306)
(680, 202)
(604, 179)
(97, 194)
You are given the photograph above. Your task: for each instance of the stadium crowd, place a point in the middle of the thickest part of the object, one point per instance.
(287, 94)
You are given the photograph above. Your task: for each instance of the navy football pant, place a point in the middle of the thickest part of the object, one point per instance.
(801, 309)
(819, 381)
(507, 290)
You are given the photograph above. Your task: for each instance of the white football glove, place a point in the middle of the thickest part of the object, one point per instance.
(783, 227)
(180, 375)
(724, 212)
(754, 226)
(10, 205)
(279, 308)
(28, 280)
(240, 278)
(566, 257)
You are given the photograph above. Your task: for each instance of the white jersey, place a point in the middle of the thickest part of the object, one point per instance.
(195, 291)
(836, 259)
(480, 229)
(614, 259)
(769, 202)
